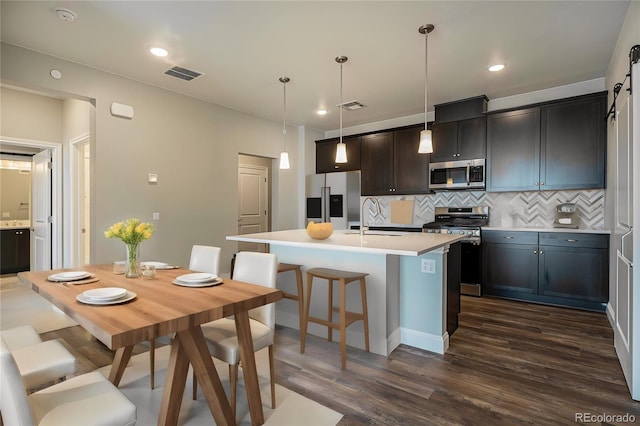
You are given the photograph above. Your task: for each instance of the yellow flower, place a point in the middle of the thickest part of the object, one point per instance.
(131, 231)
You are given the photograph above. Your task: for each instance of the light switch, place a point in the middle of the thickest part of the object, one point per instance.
(152, 178)
(156, 216)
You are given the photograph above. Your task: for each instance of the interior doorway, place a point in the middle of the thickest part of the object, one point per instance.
(47, 241)
(254, 204)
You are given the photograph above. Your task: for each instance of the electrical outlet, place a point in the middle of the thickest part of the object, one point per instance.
(6, 215)
(428, 266)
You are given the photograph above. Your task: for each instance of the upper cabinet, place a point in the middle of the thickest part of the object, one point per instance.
(326, 155)
(459, 140)
(513, 150)
(560, 145)
(573, 143)
(459, 132)
(390, 163)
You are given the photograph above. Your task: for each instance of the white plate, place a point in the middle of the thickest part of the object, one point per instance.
(105, 293)
(129, 295)
(198, 277)
(158, 265)
(69, 276)
(217, 281)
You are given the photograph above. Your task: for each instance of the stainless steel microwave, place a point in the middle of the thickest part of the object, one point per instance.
(462, 174)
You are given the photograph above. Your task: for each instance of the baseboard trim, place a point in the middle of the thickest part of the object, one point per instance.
(426, 341)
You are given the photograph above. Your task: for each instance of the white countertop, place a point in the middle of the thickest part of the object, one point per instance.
(377, 242)
(541, 229)
(15, 224)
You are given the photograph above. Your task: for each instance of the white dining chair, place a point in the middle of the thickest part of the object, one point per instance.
(88, 399)
(203, 259)
(220, 335)
(38, 362)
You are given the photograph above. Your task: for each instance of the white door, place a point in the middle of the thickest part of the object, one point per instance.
(42, 216)
(625, 297)
(80, 161)
(253, 209)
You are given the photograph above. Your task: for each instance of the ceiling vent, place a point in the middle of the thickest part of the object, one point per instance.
(183, 73)
(351, 105)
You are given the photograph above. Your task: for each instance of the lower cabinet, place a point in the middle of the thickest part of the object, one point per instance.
(558, 268)
(14, 250)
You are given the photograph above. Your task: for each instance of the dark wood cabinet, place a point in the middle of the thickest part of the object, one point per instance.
(326, 155)
(557, 145)
(376, 162)
(509, 262)
(390, 163)
(513, 150)
(573, 144)
(411, 170)
(454, 257)
(566, 269)
(15, 250)
(459, 140)
(575, 266)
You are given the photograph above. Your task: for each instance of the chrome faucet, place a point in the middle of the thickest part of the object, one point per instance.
(378, 211)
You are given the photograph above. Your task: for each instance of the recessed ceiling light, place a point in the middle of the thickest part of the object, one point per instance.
(67, 15)
(496, 67)
(321, 111)
(158, 51)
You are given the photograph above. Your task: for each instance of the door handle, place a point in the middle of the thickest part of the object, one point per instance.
(622, 244)
(468, 174)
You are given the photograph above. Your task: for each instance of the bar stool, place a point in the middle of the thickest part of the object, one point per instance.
(346, 317)
(286, 267)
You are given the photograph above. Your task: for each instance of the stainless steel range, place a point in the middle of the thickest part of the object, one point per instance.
(464, 221)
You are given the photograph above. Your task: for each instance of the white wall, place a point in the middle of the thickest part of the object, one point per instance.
(30, 116)
(192, 145)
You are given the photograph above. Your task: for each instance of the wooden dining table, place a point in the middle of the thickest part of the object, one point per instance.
(162, 308)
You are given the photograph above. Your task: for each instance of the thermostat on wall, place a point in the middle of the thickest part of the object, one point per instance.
(121, 110)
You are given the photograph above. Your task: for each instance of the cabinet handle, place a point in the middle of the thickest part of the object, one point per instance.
(537, 184)
(572, 241)
(541, 183)
(508, 238)
(535, 252)
(541, 251)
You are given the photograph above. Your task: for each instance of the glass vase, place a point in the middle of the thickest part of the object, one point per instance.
(133, 261)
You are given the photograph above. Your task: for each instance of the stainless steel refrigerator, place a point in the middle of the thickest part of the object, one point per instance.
(334, 197)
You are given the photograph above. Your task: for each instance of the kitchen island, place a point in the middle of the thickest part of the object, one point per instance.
(406, 286)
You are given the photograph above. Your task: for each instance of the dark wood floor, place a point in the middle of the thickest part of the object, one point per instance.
(508, 363)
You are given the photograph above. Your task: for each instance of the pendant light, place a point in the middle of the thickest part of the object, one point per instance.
(426, 145)
(284, 155)
(341, 148)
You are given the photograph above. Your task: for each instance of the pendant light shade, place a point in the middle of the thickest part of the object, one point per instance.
(426, 144)
(284, 155)
(341, 148)
(341, 153)
(284, 160)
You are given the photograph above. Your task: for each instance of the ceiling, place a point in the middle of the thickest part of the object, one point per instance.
(244, 47)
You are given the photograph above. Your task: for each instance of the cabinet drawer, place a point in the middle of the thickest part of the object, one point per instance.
(570, 239)
(510, 237)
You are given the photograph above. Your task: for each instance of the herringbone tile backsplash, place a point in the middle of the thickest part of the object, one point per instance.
(506, 209)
